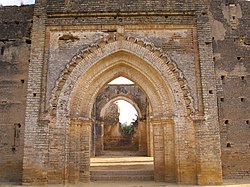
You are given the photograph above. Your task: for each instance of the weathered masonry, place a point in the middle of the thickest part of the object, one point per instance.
(190, 64)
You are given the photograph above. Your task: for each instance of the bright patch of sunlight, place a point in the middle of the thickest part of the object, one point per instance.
(16, 2)
(128, 113)
(121, 80)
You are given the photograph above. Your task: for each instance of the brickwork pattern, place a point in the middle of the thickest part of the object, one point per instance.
(79, 46)
(15, 26)
(231, 55)
(185, 128)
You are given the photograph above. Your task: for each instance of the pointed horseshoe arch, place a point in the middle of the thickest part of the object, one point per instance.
(117, 56)
(163, 84)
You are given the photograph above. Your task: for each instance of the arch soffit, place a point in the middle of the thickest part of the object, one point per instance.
(105, 47)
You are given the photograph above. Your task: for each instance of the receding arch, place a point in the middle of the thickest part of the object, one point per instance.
(106, 47)
(158, 95)
(165, 88)
(130, 101)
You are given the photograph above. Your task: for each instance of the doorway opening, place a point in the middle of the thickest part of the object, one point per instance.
(120, 127)
(120, 143)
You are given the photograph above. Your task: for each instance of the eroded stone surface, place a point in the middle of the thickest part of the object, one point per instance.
(189, 58)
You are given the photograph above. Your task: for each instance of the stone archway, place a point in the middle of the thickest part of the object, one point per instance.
(173, 130)
(105, 133)
(133, 95)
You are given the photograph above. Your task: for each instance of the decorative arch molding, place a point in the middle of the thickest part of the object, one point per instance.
(105, 47)
(159, 78)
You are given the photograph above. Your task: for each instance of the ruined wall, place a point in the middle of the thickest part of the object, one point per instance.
(63, 28)
(175, 34)
(15, 26)
(231, 47)
(66, 6)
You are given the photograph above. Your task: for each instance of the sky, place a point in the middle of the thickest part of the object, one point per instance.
(16, 2)
(127, 111)
(121, 80)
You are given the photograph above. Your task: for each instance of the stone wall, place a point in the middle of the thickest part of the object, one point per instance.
(15, 27)
(231, 47)
(74, 6)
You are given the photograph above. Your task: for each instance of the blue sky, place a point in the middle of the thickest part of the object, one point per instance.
(16, 2)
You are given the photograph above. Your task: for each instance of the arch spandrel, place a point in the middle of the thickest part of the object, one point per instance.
(175, 85)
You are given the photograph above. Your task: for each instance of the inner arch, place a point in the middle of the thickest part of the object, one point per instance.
(125, 99)
(131, 67)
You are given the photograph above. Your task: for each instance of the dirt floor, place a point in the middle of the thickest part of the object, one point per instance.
(131, 163)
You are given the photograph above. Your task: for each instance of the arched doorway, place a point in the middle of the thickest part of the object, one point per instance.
(173, 133)
(119, 144)
(119, 135)
(108, 124)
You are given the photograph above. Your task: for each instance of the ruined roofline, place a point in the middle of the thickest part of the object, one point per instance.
(121, 13)
(16, 12)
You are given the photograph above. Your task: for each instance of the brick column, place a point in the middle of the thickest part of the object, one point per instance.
(73, 158)
(84, 149)
(99, 138)
(79, 155)
(142, 127)
(210, 171)
(169, 150)
(35, 159)
(150, 149)
(159, 157)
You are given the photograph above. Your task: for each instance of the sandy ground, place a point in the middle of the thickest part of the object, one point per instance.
(107, 163)
(227, 183)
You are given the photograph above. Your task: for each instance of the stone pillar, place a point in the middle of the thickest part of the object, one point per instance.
(208, 171)
(208, 132)
(84, 150)
(35, 156)
(169, 150)
(93, 140)
(159, 155)
(142, 127)
(185, 150)
(73, 158)
(79, 154)
(99, 138)
(149, 138)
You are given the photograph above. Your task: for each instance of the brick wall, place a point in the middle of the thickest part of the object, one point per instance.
(62, 6)
(184, 35)
(15, 26)
(231, 55)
